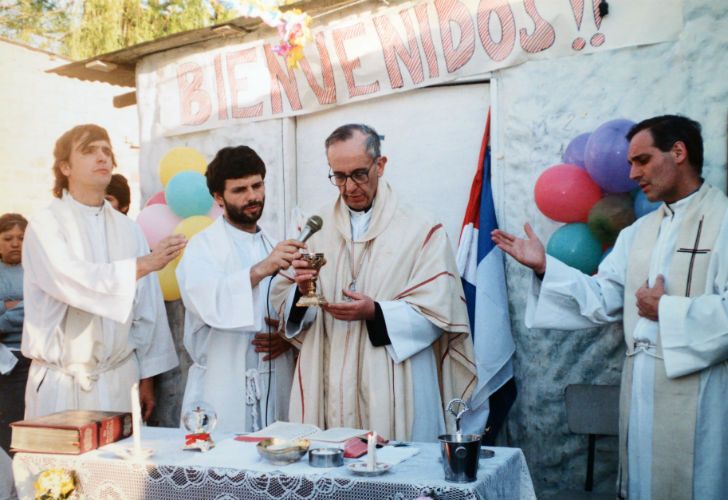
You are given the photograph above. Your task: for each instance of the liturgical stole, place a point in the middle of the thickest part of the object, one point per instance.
(675, 400)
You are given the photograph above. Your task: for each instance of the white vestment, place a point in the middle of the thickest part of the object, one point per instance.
(693, 333)
(223, 314)
(411, 335)
(91, 328)
(413, 355)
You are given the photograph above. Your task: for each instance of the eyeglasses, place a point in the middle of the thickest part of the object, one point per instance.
(359, 176)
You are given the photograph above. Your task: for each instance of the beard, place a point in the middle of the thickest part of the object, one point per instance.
(237, 215)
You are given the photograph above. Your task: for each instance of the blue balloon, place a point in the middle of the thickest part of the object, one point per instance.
(576, 246)
(574, 153)
(187, 194)
(643, 206)
(605, 156)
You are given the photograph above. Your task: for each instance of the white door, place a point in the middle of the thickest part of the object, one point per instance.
(432, 140)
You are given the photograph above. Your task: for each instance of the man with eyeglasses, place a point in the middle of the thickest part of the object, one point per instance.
(392, 345)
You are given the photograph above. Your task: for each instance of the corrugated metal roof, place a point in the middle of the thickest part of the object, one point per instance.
(118, 67)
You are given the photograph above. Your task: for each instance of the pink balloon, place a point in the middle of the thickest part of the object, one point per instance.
(215, 211)
(566, 193)
(157, 222)
(157, 199)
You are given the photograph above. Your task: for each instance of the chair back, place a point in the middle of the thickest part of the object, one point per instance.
(593, 409)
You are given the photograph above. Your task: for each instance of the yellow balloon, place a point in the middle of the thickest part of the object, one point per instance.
(167, 276)
(168, 281)
(192, 225)
(179, 160)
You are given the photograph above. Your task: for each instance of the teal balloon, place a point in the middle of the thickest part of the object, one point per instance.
(187, 194)
(643, 206)
(576, 246)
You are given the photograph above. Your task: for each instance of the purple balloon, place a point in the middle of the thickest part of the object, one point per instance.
(574, 153)
(605, 156)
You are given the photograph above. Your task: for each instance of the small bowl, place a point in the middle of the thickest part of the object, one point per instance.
(326, 457)
(282, 451)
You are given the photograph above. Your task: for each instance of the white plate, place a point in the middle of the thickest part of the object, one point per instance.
(128, 453)
(361, 469)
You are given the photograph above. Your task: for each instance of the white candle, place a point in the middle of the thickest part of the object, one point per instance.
(372, 450)
(136, 420)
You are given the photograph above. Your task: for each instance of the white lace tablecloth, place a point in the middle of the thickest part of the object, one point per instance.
(233, 470)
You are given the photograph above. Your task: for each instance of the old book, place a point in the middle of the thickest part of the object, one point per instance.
(70, 432)
(113, 426)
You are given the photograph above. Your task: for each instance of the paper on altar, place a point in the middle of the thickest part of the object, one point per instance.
(288, 430)
(392, 455)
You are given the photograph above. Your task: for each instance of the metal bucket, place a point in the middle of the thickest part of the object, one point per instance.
(460, 454)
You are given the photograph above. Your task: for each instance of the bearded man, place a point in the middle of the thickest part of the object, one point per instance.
(242, 367)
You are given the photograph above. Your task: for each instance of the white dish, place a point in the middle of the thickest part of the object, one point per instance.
(128, 453)
(361, 469)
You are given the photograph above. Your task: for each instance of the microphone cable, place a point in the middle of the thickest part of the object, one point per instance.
(270, 359)
(270, 334)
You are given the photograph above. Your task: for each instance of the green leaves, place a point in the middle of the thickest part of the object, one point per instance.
(84, 28)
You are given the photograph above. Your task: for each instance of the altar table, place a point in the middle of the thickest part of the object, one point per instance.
(233, 470)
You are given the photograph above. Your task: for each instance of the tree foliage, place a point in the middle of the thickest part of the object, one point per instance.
(40, 23)
(84, 28)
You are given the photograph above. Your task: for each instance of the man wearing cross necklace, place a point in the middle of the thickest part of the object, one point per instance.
(667, 281)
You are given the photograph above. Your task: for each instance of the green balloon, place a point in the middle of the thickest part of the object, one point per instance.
(609, 216)
(575, 246)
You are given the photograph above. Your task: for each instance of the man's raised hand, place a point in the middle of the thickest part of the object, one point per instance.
(280, 257)
(162, 253)
(529, 252)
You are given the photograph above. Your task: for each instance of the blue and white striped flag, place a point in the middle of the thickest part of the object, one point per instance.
(481, 268)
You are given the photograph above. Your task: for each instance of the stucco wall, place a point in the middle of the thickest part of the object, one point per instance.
(36, 108)
(541, 106)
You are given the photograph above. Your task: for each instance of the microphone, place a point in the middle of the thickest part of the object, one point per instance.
(313, 225)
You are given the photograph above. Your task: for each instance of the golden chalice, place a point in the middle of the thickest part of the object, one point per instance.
(312, 299)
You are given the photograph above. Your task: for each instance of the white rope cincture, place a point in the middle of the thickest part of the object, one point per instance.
(252, 395)
(644, 346)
